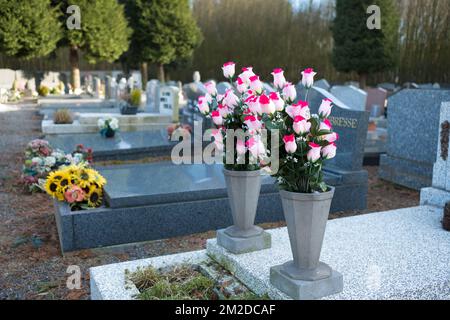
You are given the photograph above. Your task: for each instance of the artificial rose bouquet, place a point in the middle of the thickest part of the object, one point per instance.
(237, 115)
(307, 140)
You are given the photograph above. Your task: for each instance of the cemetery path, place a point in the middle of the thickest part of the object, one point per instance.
(30, 259)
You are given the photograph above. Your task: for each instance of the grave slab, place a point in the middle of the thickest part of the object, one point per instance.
(124, 145)
(399, 254)
(162, 200)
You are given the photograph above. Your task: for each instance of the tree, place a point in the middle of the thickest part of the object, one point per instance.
(28, 29)
(360, 49)
(103, 36)
(163, 31)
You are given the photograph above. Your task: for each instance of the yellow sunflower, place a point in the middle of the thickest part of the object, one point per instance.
(95, 197)
(72, 169)
(65, 181)
(85, 177)
(97, 178)
(52, 187)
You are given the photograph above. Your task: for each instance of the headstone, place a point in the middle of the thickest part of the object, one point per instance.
(196, 76)
(352, 96)
(114, 88)
(436, 86)
(97, 87)
(413, 125)
(151, 92)
(7, 77)
(108, 93)
(376, 101)
(391, 87)
(194, 90)
(323, 84)
(439, 193)
(168, 102)
(352, 83)
(122, 87)
(222, 87)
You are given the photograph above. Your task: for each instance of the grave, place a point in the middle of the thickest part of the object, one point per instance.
(124, 145)
(162, 200)
(222, 87)
(399, 254)
(86, 122)
(376, 101)
(152, 91)
(413, 126)
(439, 193)
(352, 96)
(169, 102)
(323, 84)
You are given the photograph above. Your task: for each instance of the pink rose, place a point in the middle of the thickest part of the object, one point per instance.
(308, 77)
(331, 137)
(299, 109)
(217, 134)
(325, 108)
(253, 104)
(314, 153)
(301, 125)
(277, 101)
(223, 110)
(252, 123)
(229, 69)
(267, 105)
(211, 88)
(256, 84)
(230, 99)
(246, 74)
(240, 147)
(329, 151)
(289, 143)
(289, 92)
(278, 78)
(241, 85)
(217, 118)
(203, 105)
(256, 147)
(325, 125)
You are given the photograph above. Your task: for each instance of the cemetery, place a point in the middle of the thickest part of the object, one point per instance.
(180, 173)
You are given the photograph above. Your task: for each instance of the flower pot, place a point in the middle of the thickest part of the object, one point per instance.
(109, 133)
(306, 216)
(243, 189)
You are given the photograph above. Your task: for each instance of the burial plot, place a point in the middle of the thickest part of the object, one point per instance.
(351, 96)
(413, 126)
(439, 193)
(376, 101)
(152, 92)
(124, 145)
(222, 87)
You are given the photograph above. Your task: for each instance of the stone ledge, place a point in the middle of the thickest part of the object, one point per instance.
(399, 254)
(434, 197)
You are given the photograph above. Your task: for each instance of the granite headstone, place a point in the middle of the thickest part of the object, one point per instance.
(413, 125)
(351, 96)
(323, 84)
(376, 101)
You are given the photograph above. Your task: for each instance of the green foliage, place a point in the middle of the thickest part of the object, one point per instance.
(163, 30)
(359, 49)
(43, 91)
(62, 116)
(135, 97)
(28, 29)
(104, 33)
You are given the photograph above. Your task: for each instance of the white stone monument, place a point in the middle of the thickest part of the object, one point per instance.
(169, 102)
(439, 193)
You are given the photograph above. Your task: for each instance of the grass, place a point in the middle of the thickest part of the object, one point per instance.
(184, 282)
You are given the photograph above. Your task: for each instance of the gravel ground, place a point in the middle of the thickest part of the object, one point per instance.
(31, 264)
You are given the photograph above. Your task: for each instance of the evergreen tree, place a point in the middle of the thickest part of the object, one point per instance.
(103, 36)
(28, 28)
(164, 31)
(359, 49)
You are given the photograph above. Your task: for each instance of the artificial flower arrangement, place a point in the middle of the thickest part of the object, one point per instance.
(307, 140)
(78, 185)
(108, 126)
(41, 159)
(240, 108)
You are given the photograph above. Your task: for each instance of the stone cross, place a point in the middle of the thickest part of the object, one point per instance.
(439, 193)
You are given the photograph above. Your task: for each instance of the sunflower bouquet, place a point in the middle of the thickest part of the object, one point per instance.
(78, 185)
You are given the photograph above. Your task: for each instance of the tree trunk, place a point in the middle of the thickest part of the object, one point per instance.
(161, 77)
(144, 74)
(362, 80)
(75, 68)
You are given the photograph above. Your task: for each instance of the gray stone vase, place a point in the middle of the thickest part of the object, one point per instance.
(306, 216)
(243, 189)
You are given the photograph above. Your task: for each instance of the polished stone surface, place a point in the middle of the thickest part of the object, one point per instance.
(351, 96)
(351, 125)
(123, 144)
(398, 254)
(413, 128)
